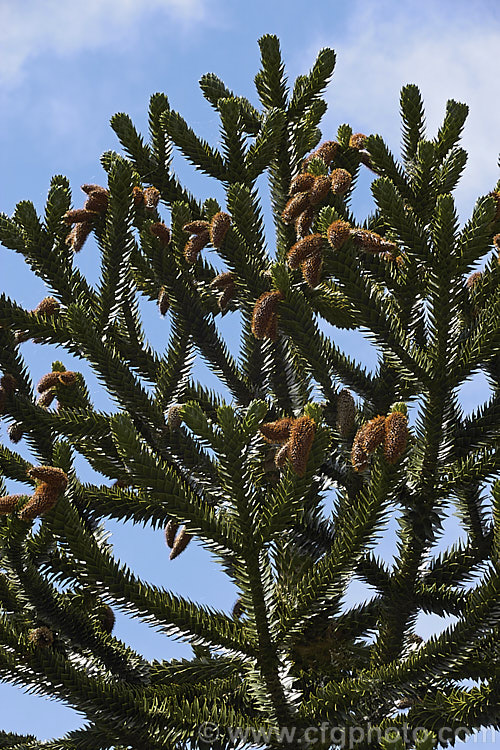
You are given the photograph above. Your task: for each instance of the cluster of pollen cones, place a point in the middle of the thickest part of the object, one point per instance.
(177, 540)
(96, 204)
(390, 431)
(51, 483)
(204, 232)
(295, 435)
(46, 386)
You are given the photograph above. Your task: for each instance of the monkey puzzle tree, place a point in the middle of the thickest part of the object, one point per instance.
(246, 470)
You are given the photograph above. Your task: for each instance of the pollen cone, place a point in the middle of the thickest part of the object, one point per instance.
(277, 432)
(302, 183)
(346, 411)
(76, 238)
(181, 542)
(304, 221)
(43, 500)
(47, 381)
(218, 228)
(338, 233)
(193, 246)
(41, 637)
(301, 440)
(327, 151)
(320, 189)
(295, 206)
(151, 197)
(48, 306)
(263, 317)
(51, 475)
(303, 248)
(196, 227)
(8, 503)
(77, 215)
(311, 269)
(396, 436)
(170, 532)
(341, 181)
(373, 433)
(161, 231)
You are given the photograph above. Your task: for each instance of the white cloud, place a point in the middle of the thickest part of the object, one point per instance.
(448, 51)
(32, 27)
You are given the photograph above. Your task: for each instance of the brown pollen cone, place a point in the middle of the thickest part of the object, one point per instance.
(51, 475)
(89, 188)
(122, 483)
(48, 306)
(496, 241)
(304, 222)
(396, 436)
(180, 543)
(338, 233)
(373, 434)
(301, 440)
(163, 301)
(392, 258)
(47, 381)
(46, 398)
(320, 189)
(170, 531)
(272, 327)
(138, 196)
(8, 383)
(67, 377)
(226, 296)
(302, 183)
(225, 282)
(76, 238)
(8, 503)
(277, 432)
(161, 232)
(196, 227)
(97, 201)
(341, 181)
(295, 206)
(359, 457)
(15, 432)
(263, 312)
(193, 246)
(106, 618)
(371, 242)
(219, 227)
(327, 151)
(281, 456)
(43, 500)
(77, 215)
(311, 269)
(41, 637)
(473, 279)
(357, 140)
(238, 609)
(3, 400)
(151, 197)
(303, 248)
(174, 416)
(21, 336)
(346, 412)
(222, 280)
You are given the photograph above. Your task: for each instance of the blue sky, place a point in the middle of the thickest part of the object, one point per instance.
(65, 69)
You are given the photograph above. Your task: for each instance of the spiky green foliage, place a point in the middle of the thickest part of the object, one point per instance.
(296, 654)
